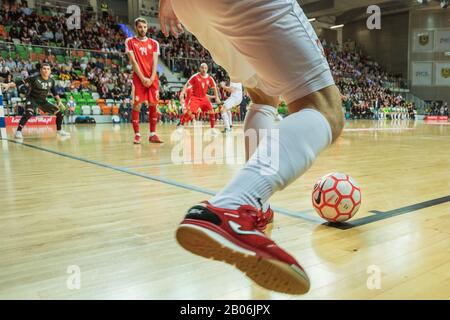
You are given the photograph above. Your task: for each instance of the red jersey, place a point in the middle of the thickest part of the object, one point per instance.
(143, 52)
(188, 94)
(200, 85)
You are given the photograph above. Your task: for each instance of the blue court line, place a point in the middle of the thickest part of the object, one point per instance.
(296, 214)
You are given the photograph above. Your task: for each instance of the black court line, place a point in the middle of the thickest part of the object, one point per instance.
(296, 214)
(381, 215)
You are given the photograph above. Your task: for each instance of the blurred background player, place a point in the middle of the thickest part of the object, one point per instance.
(271, 47)
(201, 82)
(187, 115)
(143, 53)
(234, 99)
(39, 87)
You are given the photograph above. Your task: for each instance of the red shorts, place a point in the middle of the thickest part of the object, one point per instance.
(203, 103)
(143, 94)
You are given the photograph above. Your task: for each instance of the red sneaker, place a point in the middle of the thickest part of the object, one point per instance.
(137, 139)
(236, 237)
(154, 139)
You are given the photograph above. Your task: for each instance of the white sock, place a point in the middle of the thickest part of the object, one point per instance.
(259, 116)
(226, 121)
(300, 138)
(230, 117)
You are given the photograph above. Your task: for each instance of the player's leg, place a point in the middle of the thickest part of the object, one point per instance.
(194, 107)
(153, 119)
(30, 106)
(153, 99)
(136, 92)
(207, 108)
(50, 108)
(301, 75)
(227, 105)
(259, 118)
(223, 229)
(230, 117)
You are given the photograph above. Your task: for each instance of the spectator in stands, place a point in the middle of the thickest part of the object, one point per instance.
(446, 109)
(104, 9)
(125, 110)
(244, 104)
(71, 105)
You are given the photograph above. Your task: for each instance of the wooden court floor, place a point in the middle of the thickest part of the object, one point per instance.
(93, 216)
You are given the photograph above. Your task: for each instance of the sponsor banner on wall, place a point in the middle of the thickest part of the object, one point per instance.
(442, 73)
(423, 40)
(37, 121)
(422, 73)
(436, 118)
(442, 41)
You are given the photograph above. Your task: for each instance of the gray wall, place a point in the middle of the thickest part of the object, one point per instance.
(119, 8)
(429, 19)
(388, 46)
(327, 34)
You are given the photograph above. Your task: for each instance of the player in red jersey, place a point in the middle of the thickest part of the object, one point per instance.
(143, 53)
(201, 82)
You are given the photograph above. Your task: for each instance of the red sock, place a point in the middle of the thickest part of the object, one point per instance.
(135, 120)
(153, 119)
(182, 119)
(212, 118)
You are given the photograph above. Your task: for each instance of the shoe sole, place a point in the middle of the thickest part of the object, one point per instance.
(268, 273)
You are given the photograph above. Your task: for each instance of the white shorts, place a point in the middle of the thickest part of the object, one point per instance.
(265, 44)
(232, 102)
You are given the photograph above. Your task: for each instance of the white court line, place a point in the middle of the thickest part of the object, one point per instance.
(438, 123)
(376, 129)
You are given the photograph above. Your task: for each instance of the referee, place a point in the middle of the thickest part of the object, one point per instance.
(38, 88)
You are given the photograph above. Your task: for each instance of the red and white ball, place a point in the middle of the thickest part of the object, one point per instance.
(336, 197)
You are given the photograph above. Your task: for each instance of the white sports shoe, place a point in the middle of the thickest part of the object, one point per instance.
(63, 133)
(18, 135)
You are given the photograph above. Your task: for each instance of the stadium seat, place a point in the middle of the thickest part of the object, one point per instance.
(60, 59)
(86, 110)
(109, 102)
(81, 102)
(95, 95)
(86, 95)
(96, 110)
(106, 110)
(115, 110)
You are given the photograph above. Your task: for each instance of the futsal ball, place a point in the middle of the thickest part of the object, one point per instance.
(115, 119)
(336, 197)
